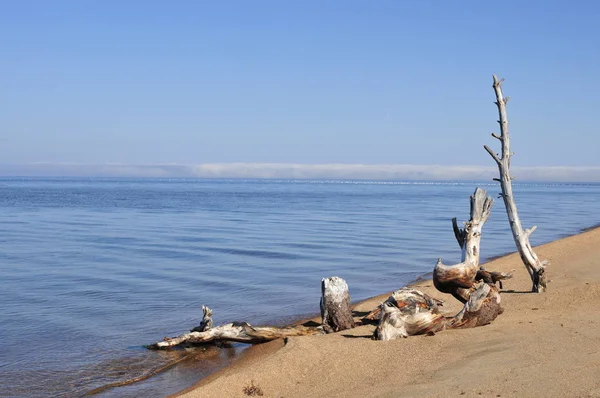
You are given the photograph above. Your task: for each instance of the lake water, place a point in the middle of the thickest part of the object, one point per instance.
(92, 269)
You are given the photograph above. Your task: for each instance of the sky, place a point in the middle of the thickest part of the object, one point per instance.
(106, 82)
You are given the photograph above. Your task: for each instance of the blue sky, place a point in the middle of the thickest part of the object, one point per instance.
(382, 82)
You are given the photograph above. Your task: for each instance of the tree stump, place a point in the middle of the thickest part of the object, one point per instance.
(457, 279)
(336, 314)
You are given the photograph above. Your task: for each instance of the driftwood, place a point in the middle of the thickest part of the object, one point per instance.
(457, 279)
(492, 277)
(482, 308)
(409, 298)
(206, 322)
(535, 267)
(402, 322)
(240, 332)
(336, 314)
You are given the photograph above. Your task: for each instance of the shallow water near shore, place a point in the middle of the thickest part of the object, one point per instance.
(92, 269)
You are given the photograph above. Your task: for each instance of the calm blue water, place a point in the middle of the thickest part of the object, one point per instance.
(91, 269)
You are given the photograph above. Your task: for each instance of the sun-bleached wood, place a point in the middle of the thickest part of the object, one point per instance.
(482, 308)
(336, 314)
(457, 279)
(406, 321)
(206, 322)
(240, 332)
(407, 297)
(535, 267)
(492, 277)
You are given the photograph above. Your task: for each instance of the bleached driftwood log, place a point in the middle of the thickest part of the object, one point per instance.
(535, 267)
(240, 332)
(482, 308)
(457, 279)
(403, 322)
(407, 297)
(336, 314)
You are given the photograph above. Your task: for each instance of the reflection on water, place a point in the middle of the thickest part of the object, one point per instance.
(92, 269)
(96, 378)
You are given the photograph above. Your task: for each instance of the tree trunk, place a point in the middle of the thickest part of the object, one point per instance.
(535, 267)
(336, 314)
(459, 278)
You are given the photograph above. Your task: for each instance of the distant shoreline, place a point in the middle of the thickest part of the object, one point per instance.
(275, 180)
(325, 171)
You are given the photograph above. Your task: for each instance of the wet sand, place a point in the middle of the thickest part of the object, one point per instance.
(543, 345)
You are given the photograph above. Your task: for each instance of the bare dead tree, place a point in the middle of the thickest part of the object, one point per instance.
(459, 279)
(535, 267)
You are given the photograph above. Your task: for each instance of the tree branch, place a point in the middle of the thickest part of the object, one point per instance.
(492, 154)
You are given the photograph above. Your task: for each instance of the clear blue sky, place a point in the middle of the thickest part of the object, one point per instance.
(403, 82)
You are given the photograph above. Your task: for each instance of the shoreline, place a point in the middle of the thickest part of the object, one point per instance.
(264, 353)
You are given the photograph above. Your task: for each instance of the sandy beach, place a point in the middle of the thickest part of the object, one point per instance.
(543, 345)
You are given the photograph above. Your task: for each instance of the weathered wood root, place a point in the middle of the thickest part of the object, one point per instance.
(407, 297)
(406, 321)
(336, 314)
(482, 308)
(492, 277)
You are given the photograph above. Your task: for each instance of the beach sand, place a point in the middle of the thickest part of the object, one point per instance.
(544, 345)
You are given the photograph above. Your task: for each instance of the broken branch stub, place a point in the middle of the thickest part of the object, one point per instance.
(206, 322)
(535, 267)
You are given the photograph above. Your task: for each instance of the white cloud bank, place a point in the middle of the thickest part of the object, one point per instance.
(302, 171)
